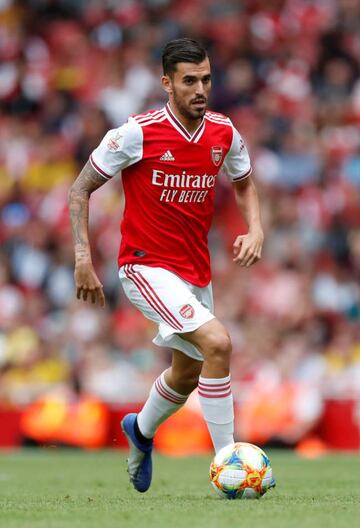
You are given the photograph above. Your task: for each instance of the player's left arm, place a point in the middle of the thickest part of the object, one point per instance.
(247, 248)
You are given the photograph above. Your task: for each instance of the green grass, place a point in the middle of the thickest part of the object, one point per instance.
(62, 489)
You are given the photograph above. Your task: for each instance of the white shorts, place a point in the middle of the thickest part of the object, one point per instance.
(174, 304)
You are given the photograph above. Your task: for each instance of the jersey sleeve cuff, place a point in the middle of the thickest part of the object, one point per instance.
(243, 176)
(98, 169)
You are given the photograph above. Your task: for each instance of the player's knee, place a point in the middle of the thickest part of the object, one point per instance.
(218, 347)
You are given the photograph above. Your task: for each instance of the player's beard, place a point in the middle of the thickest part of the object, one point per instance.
(190, 113)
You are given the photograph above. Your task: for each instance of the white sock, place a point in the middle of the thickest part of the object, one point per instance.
(218, 409)
(161, 403)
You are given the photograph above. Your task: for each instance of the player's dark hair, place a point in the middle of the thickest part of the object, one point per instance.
(182, 50)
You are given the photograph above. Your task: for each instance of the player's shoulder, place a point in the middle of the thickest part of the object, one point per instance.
(217, 118)
(149, 118)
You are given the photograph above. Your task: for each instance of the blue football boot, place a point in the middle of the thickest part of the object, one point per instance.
(139, 461)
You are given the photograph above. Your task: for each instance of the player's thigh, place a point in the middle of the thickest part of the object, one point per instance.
(152, 290)
(164, 298)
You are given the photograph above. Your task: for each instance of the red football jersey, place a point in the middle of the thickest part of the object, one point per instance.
(169, 178)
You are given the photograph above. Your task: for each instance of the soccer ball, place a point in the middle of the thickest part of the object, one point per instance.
(241, 471)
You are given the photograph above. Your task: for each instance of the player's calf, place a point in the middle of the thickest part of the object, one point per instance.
(183, 375)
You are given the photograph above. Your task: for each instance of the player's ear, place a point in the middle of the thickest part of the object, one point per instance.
(167, 84)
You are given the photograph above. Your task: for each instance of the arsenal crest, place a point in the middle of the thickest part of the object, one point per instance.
(187, 311)
(216, 155)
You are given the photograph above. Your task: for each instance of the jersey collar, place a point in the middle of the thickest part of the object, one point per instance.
(192, 138)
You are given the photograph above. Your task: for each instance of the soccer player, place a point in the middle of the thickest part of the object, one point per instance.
(169, 160)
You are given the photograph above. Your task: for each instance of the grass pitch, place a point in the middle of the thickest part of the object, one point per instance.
(61, 489)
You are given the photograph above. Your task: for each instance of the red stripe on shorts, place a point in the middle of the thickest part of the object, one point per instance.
(148, 297)
(155, 297)
(131, 275)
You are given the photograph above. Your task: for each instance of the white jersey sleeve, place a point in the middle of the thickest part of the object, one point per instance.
(237, 162)
(120, 148)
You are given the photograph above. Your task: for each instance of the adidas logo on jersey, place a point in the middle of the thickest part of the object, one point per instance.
(167, 156)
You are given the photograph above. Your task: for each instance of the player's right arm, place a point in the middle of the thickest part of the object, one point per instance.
(88, 286)
(118, 149)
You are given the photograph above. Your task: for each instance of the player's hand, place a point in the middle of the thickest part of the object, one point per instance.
(88, 286)
(247, 248)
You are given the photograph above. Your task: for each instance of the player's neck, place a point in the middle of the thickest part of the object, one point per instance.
(191, 125)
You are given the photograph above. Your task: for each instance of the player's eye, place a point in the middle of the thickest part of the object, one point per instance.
(188, 81)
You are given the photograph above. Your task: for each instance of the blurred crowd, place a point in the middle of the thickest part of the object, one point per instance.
(287, 73)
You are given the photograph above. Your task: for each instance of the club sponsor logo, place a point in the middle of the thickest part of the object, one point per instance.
(216, 155)
(183, 187)
(187, 311)
(183, 180)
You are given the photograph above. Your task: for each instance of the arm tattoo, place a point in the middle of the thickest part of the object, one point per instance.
(86, 183)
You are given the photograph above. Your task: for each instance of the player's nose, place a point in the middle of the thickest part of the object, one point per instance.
(200, 89)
